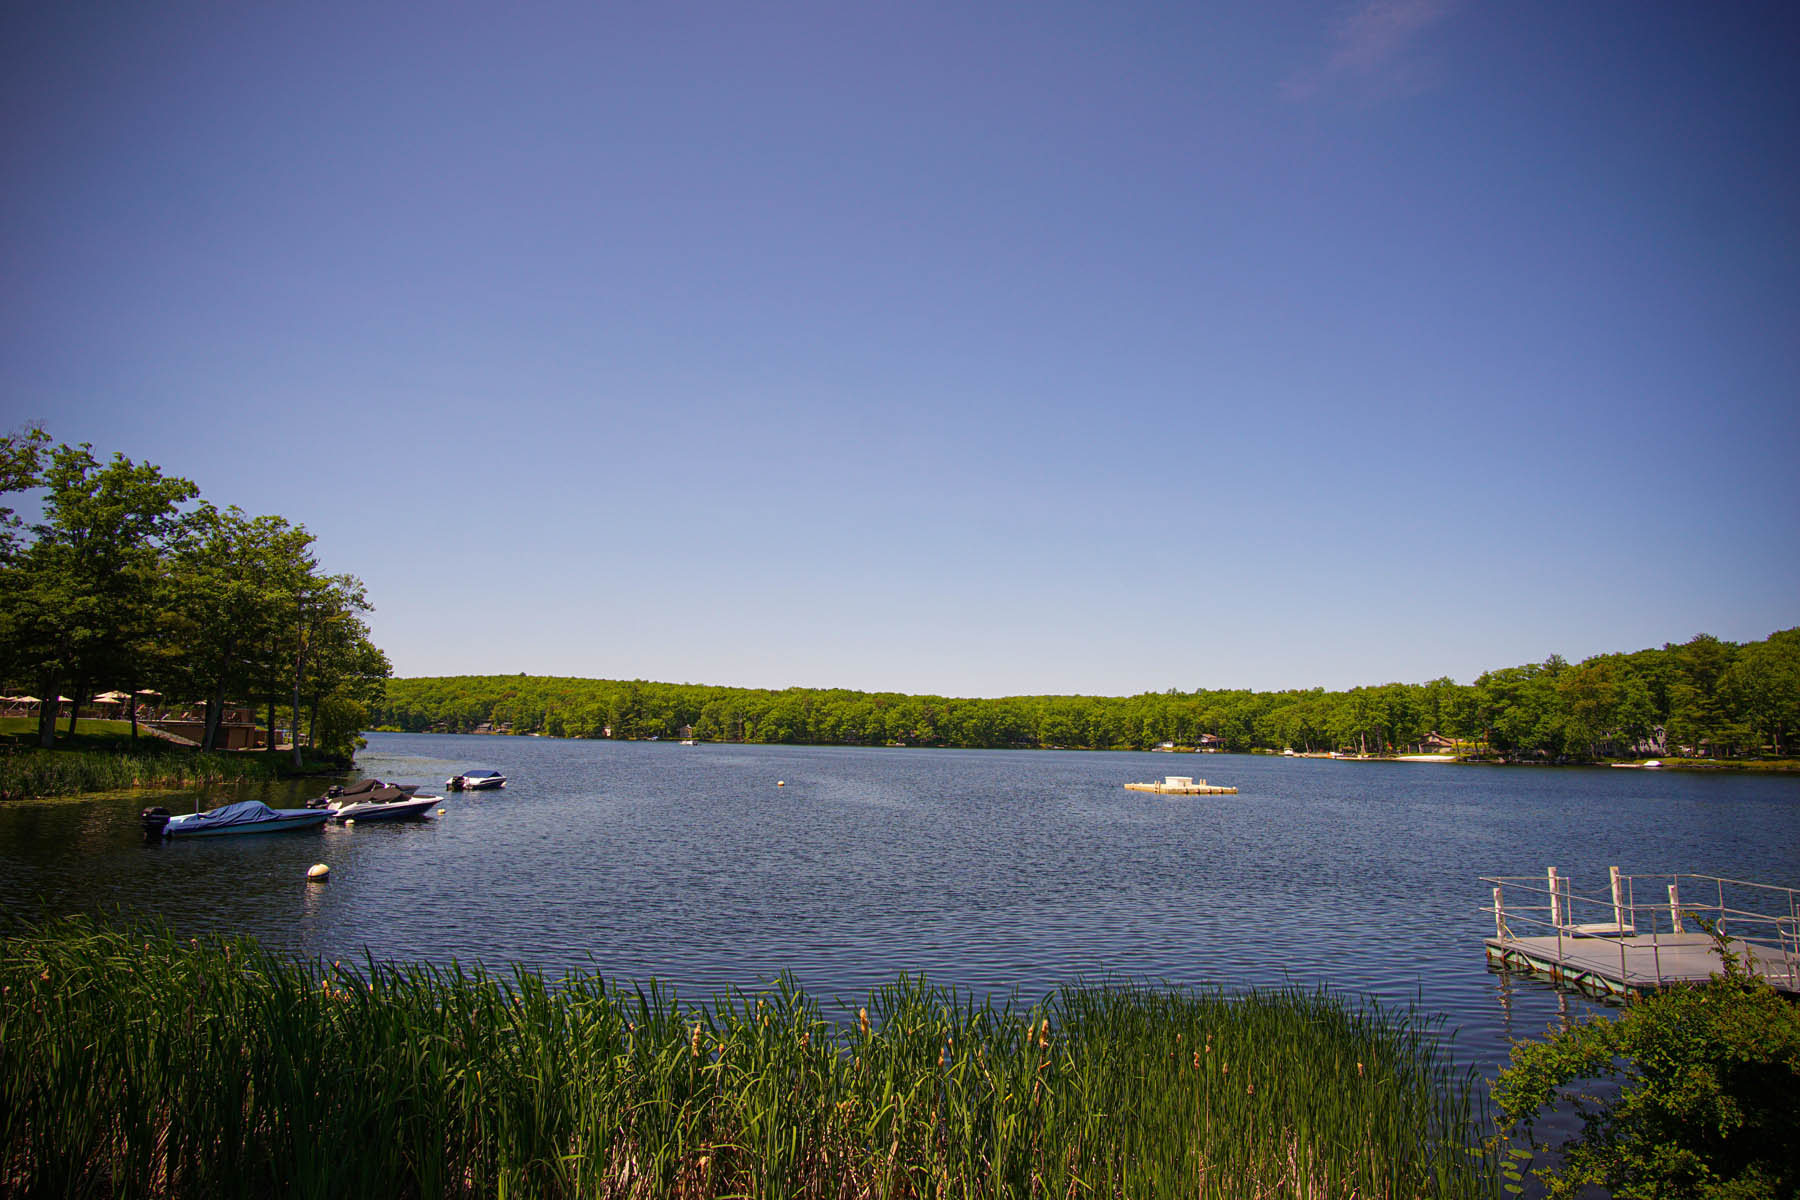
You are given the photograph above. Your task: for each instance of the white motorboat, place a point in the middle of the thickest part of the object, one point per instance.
(380, 808)
(476, 781)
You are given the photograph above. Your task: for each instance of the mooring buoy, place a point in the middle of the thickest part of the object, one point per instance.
(318, 871)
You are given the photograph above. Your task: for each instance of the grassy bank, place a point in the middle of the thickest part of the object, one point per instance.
(132, 1063)
(1732, 764)
(102, 757)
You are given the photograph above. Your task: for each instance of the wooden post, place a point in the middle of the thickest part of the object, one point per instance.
(1499, 917)
(1675, 909)
(1556, 914)
(1618, 898)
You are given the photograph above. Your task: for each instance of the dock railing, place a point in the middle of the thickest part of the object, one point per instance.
(1654, 913)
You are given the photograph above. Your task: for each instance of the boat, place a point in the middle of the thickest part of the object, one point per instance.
(475, 781)
(388, 804)
(361, 790)
(246, 816)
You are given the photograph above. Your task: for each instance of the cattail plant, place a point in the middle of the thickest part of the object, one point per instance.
(134, 1063)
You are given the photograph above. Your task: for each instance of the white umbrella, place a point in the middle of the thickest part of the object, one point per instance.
(110, 697)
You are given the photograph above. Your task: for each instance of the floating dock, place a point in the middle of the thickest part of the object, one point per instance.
(1181, 785)
(1633, 945)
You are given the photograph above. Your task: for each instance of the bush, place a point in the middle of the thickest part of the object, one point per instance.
(1705, 1095)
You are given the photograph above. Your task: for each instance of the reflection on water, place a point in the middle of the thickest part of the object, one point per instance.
(992, 871)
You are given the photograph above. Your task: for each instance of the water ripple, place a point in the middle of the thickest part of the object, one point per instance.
(993, 871)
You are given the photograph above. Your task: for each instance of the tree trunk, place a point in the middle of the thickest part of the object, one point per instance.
(312, 728)
(131, 703)
(80, 690)
(299, 669)
(270, 748)
(215, 714)
(47, 712)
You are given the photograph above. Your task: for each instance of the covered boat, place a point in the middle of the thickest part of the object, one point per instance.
(246, 816)
(475, 781)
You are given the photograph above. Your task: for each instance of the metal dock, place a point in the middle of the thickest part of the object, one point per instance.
(1181, 785)
(1647, 933)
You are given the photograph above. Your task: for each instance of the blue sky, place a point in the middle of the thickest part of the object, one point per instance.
(970, 349)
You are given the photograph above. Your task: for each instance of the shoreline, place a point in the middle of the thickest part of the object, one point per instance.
(1755, 766)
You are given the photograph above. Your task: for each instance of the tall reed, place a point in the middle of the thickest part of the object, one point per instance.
(132, 1063)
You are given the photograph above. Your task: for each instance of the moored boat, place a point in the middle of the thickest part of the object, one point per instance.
(246, 816)
(383, 806)
(475, 781)
(364, 789)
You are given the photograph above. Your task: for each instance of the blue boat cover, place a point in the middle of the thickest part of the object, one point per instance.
(244, 812)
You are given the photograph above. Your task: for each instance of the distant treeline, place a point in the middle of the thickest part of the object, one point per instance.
(1704, 697)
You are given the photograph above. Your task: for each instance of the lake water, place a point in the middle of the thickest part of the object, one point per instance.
(996, 871)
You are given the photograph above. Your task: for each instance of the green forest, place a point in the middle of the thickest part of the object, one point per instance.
(129, 582)
(1703, 698)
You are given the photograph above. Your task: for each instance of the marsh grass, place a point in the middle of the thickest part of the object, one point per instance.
(132, 1063)
(31, 772)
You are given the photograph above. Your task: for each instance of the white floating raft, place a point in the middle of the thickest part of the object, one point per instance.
(1182, 785)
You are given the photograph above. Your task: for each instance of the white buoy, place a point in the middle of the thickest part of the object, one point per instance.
(781, 783)
(440, 812)
(318, 871)
(349, 820)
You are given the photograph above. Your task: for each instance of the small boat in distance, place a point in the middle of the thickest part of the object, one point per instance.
(475, 781)
(246, 816)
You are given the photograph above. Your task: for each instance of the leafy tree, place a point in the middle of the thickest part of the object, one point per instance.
(1696, 714)
(233, 577)
(21, 457)
(1763, 684)
(77, 603)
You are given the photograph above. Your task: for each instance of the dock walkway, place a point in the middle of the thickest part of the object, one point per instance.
(1631, 947)
(1636, 963)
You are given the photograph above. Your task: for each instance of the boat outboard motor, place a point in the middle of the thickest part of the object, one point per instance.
(154, 820)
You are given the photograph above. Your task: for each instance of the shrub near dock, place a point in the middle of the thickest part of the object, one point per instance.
(134, 1063)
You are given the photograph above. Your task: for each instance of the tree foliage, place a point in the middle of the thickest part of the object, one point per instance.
(128, 581)
(1724, 699)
